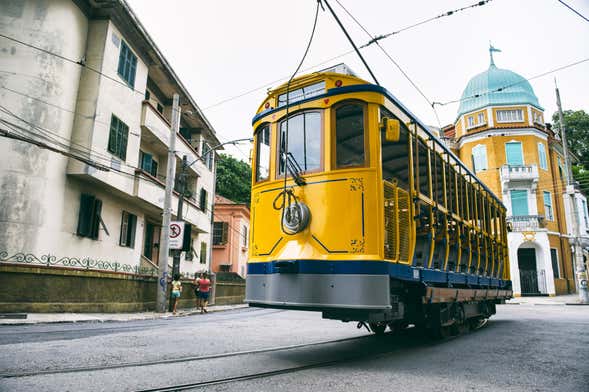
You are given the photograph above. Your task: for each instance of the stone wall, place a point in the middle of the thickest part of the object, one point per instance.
(38, 289)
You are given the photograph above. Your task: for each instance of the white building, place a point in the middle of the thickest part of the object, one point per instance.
(87, 79)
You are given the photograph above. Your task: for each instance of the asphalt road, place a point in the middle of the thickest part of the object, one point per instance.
(523, 348)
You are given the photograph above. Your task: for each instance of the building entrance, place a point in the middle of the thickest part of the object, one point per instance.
(528, 274)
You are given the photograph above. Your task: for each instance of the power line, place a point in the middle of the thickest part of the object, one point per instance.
(266, 85)
(374, 40)
(499, 89)
(572, 9)
(80, 63)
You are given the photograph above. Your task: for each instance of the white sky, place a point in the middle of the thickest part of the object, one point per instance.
(221, 49)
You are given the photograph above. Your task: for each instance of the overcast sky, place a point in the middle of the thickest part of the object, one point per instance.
(223, 49)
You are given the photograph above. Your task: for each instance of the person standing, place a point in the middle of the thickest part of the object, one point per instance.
(176, 291)
(204, 288)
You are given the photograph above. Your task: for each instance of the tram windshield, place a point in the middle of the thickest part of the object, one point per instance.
(304, 141)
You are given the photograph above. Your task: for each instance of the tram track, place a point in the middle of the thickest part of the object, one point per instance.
(84, 369)
(317, 365)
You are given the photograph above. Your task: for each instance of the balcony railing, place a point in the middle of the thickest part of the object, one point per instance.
(519, 173)
(525, 222)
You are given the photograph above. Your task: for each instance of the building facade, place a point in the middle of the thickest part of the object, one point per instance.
(500, 132)
(230, 236)
(90, 102)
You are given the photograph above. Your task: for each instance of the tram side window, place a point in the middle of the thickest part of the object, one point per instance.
(349, 135)
(262, 153)
(304, 141)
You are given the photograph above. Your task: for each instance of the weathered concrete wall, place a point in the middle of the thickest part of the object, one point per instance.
(41, 89)
(47, 289)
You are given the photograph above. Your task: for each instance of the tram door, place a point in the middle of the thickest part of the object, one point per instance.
(526, 259)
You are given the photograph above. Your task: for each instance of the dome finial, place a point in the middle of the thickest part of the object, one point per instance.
(491, 50)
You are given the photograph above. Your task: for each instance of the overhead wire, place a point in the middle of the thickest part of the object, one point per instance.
(574, 10)
(375, 40)
(81, 62)
(445, 14)
(523, 80)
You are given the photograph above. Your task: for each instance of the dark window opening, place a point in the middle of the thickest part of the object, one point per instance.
(349, 135)
(554, 258)
(89, 216)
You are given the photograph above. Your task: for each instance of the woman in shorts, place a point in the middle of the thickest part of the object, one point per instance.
(204, 288)
(176, 290)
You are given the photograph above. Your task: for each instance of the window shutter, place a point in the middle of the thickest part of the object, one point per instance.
(187, 241)
(133, 225)
(123, 241)
(132, 68)
(113, 135)
(97, 210)
(85, 215)
(225, 232)
(124, 129)
(153, 171)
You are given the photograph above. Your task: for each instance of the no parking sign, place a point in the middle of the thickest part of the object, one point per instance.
(176, 234)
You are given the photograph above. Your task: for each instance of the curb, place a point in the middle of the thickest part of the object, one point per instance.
(166, 315)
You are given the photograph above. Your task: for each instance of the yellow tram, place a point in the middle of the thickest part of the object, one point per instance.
(377, 221)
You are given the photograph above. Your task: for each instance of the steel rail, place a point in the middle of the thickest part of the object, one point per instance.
(271, 373)
(83, 369)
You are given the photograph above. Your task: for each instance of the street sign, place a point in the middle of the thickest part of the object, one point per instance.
(176, 234)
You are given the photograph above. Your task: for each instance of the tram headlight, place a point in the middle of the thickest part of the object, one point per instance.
(295, 217)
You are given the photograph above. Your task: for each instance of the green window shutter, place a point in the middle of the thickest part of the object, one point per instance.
(113, 135)
(85, 215)
(124, 129)
(203, 252)
(514, 154)
(124, 228)
(519, 202)
(542, 156)
(95, 221)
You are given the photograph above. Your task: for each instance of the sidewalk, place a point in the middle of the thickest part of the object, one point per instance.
(570, 299)
(37, 318)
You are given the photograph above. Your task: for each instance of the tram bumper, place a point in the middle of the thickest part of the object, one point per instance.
(292, 290)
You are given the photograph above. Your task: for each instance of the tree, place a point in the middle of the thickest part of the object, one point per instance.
(577, 132)
(234, 179)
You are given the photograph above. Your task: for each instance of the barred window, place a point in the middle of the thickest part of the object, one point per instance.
(220, 233)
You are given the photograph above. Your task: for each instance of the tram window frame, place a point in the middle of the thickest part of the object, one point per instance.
(262, 128)
(278, 143)
(334, 134)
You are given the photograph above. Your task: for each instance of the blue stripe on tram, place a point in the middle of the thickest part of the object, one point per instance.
(350, 267)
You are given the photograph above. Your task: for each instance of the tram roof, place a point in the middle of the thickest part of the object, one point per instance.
(366, 87)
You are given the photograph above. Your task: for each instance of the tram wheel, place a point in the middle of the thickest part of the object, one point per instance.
(378, 328)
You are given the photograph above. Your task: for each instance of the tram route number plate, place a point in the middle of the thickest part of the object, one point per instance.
(176, 234)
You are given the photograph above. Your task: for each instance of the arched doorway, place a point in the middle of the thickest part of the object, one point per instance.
(528, 272)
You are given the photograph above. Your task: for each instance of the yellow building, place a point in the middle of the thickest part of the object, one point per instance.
(500, 133)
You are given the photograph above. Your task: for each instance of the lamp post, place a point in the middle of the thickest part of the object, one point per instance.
(182, 191)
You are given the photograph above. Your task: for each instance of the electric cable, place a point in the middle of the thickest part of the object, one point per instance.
(574, 10)
(374, 40)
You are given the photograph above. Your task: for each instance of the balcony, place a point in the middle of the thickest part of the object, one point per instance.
(520, 174)
(155, 129)
(520, 223)
(151, 190)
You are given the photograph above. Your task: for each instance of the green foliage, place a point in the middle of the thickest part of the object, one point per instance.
(577, 132)
(234, 179)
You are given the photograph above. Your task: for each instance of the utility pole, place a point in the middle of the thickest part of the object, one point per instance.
(182, 191)
(167, 212)
(581, 273)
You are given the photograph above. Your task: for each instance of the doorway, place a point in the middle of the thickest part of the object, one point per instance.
(528, 274)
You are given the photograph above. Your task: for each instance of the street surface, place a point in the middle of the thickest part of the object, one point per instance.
(523, 348)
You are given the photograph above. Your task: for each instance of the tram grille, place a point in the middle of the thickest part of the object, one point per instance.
(397, 223)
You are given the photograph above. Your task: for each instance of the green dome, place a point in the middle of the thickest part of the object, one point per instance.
(481, 91)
